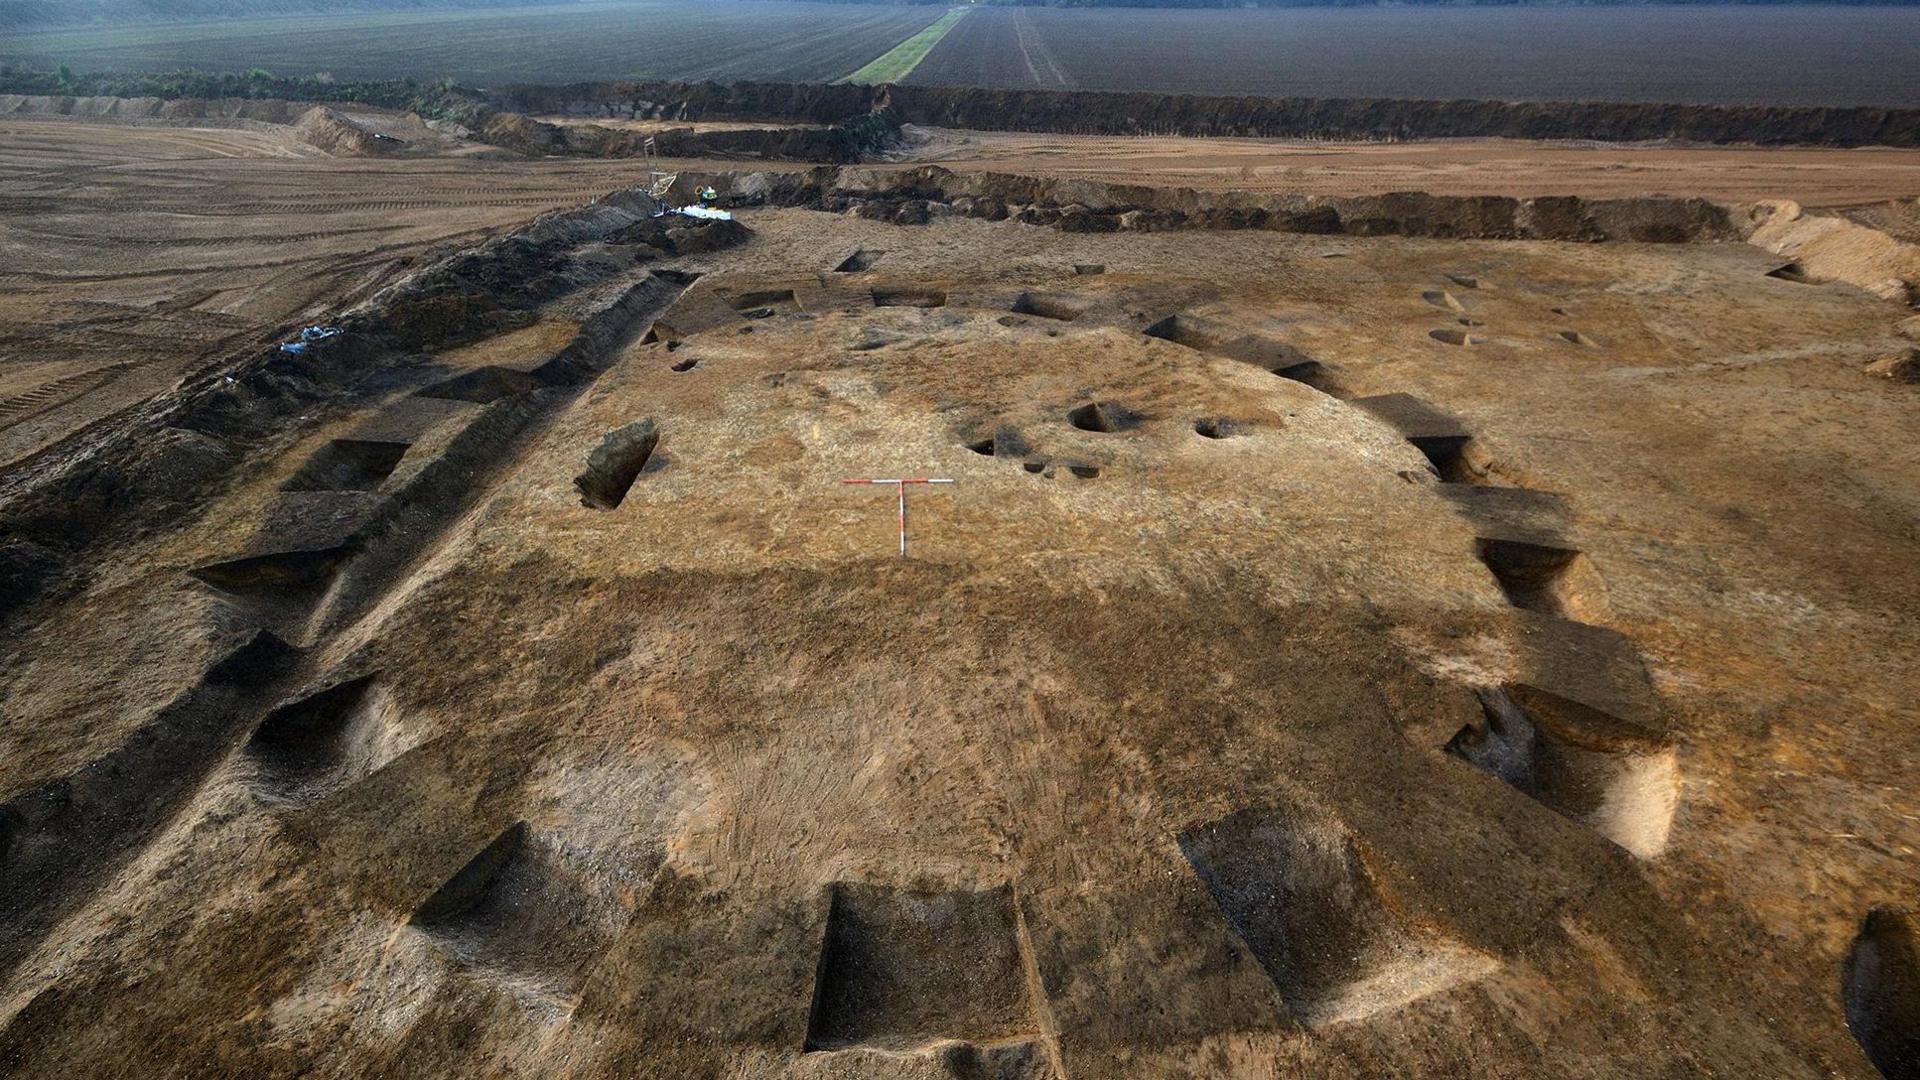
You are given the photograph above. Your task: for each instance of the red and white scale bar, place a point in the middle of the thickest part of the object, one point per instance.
(901, 484)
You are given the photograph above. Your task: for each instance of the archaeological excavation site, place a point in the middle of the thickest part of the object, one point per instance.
(1354, 635)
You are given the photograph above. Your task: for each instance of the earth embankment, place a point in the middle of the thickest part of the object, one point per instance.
(1085, 113)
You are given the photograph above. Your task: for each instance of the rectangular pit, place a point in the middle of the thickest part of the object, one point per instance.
(615, 464)
(1550, 580)
(901, 969)
(520, 910)
(347, 465)
(1611, 776)
(324, 741)
(1059, 308)
(914, 298)
(1298, 894)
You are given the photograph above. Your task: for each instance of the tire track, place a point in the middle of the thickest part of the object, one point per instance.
(25, 406)
(1032, 43)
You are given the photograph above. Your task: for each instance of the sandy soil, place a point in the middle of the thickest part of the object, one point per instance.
(1812, 177)
(674, 125)
(132, 255)
(1337, 656)
(135, 254)
(1139, 766)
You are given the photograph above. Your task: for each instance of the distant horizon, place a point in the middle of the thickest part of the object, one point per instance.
(1761, 54)
(34, 14)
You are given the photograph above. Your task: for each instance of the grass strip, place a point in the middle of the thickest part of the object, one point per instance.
(896, 63)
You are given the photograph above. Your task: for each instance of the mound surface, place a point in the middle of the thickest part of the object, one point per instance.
(1277, 687)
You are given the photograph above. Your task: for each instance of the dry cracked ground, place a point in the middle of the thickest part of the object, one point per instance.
(1334, 656)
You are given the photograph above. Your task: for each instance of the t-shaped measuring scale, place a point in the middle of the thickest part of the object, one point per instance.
(901, 484)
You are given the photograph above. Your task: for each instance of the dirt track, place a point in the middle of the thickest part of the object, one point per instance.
(1812, 177)
(131, 255)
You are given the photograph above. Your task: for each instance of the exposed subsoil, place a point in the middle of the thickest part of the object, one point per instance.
(1108, 113)
(510, 686)
(1510, 710)
(136, 256)
(1811, 176)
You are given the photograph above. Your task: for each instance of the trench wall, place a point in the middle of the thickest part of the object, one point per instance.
(1102, 113)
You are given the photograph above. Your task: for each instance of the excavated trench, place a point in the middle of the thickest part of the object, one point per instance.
(1113, 113)
(1103, 417)
(1298, 893)
(1551, 580)
(66, 837)
(1881, 992)
(914, 298)
(324, 741)
(1597, 769)
(1059, 308)
(347, 465)
(616, 463)
(901, 969)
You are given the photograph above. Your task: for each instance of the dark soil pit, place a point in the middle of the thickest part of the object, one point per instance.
(1035, 467)
(1089, 269)
(1465, 281)
(686, 365)
(1216, 427)
(769, 299)
(1456, 458)
(1084, 472)
(901, 969)
(1612, 776)
(66, 836)
(483, 385)
(1063, 309)
(1185, 330)
(1301, 897)
(279, 590)
(616, 463)
(1440, 298)
(858, 261)
(1550, 580)
(272, 569)
(1005, 441)
(1310, 373)
(520, 909)
(1792, 271)
(913, 298)
(347, 465)
(323, 741)
(1575, 337)
(1456, 337)
(1104, 417)
(1881, 991)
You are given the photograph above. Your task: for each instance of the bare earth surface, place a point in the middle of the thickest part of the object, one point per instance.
(706, 781)
(671, 125)
(134, 255)
(131, 256)
(1812, 177)
(1336, 656)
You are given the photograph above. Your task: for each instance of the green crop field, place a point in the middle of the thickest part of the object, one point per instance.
(776, 40)
(899, 62)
